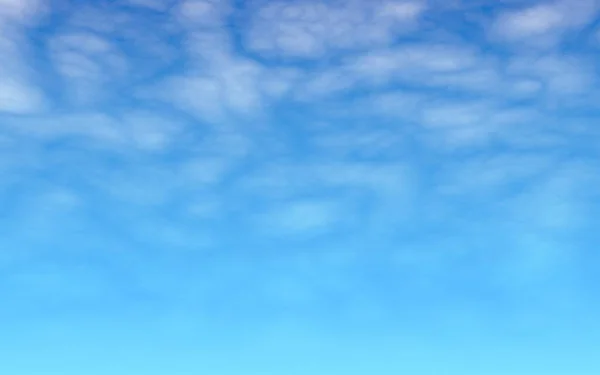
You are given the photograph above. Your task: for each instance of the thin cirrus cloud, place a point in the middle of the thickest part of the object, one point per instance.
(237, 88)
(544, 24)
(312, 29)
(17, 93)
(413, 136)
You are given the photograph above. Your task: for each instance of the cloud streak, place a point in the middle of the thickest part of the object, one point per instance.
(207, 127)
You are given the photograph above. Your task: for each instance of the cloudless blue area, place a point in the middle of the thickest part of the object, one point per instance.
(303, 187)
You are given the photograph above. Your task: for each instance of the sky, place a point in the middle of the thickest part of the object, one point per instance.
(299, 187)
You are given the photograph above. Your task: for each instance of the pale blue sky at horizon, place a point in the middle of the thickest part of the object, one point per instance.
(270, 187)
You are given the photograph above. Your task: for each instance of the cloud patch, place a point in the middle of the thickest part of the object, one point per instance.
(309, 30)
(545, 23)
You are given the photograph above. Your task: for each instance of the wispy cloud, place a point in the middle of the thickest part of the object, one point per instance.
(544, 24)
(313, 29)
(18, 92)
(284, 121)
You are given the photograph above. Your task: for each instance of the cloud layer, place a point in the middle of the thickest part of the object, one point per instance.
(203, 127)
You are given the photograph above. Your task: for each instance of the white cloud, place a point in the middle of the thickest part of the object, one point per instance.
(202, 13)
(310, 29)
(132, 132)
(21, 11)
(560, 75)
(455, 114)
(99, 51)
(88, 63)
(150, 131)
(383, 179)
(394, 104)
(360, 142)
(533, 21)
(18, 92)
(199, 95)
(544, 24)
(288, 180)
(488, 175)
(204, 171)
(402, 10)
(18, 97)
(459, 68)
(325, 84)
(308, 217)
(363, 177)
(207, 48)
(407, 60)
(445, 124)
(277, 83)
(325, 197)
(222, 85)
(493, 123)
(426, 64)
(97, 127)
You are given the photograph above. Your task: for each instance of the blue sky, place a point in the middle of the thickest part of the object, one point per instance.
(299, 187)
